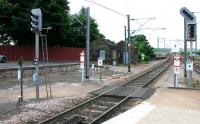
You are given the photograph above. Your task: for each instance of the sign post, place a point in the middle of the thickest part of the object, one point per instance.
(189, 68)
(100, 64)
(93, 71)
(20, 76)
(177, 64)
(82, 61)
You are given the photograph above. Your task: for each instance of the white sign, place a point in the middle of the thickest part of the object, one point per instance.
(35, 77)
(19, 74)
(81, 65)
(176, 70)
(177, 62)
(100, 62)
(189, 65)
(82, 56)
(92, 66)
(82, 59)
(175, 49)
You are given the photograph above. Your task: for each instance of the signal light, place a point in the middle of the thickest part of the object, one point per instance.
(36, 20)
(188, 15)
(191, 31)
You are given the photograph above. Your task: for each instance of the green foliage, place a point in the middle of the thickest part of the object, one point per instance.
(146, 58)
(14, 21)
(56, 15)
(80, 29)
(143, 46)
(66, 31)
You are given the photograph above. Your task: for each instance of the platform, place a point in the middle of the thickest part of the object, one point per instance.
(123, 91)
(166, 106)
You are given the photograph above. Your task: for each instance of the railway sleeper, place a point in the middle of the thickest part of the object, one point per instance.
(89, 113)
(105, 103)
(100, 107)
(111, 99)
(76, 119)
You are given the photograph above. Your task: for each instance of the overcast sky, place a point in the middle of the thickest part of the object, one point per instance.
(166, 13)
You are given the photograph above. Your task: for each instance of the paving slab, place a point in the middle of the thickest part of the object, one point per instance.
(166, 106)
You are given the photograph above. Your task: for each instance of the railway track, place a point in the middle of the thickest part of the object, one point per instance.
(197, 66)
(96, 109)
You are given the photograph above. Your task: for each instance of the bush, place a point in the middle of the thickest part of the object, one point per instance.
(146, 58)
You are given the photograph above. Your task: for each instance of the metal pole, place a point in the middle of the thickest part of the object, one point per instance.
(158, 42)
(185, 49)
(190, 72)
(100, 75)
(129, 45)
(196, 41)
(37, 65)
(21, 68)
(174, 80)
(82, 75)
(87, 42)
(125, 45)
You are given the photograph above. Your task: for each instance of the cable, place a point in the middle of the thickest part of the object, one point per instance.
(98, 4)
(132, 5)
(141, 25)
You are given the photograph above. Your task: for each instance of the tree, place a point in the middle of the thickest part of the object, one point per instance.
(143, 46)
(66, 30)
(79, 29)
(56, 15)
(15, 20)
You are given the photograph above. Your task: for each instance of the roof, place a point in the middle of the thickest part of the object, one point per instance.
(108, 42)
(111, 43)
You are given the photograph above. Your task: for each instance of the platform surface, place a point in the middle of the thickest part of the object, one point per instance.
(166, 106)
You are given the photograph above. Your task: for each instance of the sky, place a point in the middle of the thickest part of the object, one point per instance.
(166, 14)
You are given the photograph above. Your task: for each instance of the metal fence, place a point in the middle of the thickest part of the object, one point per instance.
(28, 53)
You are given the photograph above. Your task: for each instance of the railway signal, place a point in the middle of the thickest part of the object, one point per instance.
(191, 32)
(36, 26)
(189, 35)
(188, 16)
(36, 20)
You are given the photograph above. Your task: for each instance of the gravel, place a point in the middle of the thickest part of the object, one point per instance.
(35, 111)
(32, 112)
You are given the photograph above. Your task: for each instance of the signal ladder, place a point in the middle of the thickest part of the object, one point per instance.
(46, 66)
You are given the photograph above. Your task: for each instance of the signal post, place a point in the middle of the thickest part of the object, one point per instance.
(190, 34)
(36, 26)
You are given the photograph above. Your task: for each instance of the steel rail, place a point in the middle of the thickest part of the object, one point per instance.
(126, 98)
(197, 68)
(61, 115)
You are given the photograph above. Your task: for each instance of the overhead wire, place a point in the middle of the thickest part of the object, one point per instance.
(105, 7)
(132, 5)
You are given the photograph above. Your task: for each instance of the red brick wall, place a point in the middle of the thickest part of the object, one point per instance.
(55, 53)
